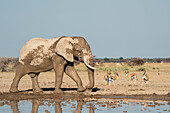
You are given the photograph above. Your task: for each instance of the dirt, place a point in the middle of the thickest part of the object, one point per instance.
(80, 96)
(158, 87)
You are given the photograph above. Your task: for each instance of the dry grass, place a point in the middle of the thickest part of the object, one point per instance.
(149, 67)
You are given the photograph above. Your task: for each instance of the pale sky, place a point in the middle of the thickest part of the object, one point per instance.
(113, 28)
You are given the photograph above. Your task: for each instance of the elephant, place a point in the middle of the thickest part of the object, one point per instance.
(41, 55)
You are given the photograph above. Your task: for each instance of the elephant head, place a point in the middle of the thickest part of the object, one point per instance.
(77, 47)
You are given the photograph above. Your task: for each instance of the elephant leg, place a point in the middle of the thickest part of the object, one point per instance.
(59, 66)
(58, 108)
(35, 105)
(35, 86)
(72, 73)
(58, 79)
(20, 72)
(14, 106)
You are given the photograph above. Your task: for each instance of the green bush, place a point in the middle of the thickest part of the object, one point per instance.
(125, 68)
(140, 69)
(81, 69)
(136, 62)
(98, 68)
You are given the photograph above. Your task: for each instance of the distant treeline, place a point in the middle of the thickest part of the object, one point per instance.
(121, 59)
(9, 64)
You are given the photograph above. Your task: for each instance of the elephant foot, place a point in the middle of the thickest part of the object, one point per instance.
(81, 89)
(38, 91)
(13, 91)
(89, 90)
(58, 91)
(88, 87)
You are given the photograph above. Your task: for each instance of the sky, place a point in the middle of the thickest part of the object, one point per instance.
(113, 28)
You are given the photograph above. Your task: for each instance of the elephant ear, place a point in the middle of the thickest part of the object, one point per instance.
(65, 48)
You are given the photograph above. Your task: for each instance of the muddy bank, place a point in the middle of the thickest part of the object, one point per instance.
(80, 96)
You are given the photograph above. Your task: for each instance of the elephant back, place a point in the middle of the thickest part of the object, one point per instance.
(36, 47)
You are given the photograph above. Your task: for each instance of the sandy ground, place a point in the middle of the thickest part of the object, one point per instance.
(158, 84)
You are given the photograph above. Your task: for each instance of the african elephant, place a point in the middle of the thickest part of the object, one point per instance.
(40, 55)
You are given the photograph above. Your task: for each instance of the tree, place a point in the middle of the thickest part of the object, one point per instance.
(106, 59)
(121, 58)
(136, 61)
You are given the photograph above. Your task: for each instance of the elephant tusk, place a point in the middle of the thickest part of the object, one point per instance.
(89, 66)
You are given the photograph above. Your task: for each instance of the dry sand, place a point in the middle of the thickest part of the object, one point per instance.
(157, 85)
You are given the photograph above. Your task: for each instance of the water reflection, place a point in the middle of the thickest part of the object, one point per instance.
(57, 104)
(83, 106)
(58, 108)
(145, 105)
(14, 106)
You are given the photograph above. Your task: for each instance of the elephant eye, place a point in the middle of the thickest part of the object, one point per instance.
(76, 58)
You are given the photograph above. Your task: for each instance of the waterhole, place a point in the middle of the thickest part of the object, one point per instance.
(88, 105)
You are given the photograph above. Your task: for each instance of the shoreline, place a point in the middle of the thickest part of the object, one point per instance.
(80, 96)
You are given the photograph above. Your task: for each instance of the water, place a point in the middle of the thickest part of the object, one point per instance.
(84, 106)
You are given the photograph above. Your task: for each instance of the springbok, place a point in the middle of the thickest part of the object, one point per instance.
(113, 78)
(132, 76)
(106, 78)
(145, 77)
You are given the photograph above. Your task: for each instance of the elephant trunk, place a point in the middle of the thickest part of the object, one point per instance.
(91, 78)
(90, 65)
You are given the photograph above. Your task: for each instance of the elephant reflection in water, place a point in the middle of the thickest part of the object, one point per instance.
(58, 108)
(14, 106)
(79, 107)
(35, 106)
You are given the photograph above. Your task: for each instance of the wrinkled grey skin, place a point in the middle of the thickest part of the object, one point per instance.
(40, 55)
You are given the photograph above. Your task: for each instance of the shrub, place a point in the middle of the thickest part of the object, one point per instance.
(125, 68)
(81, 69)
(140, 69)
(136, 62)
(8, 64)
(98, 68)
